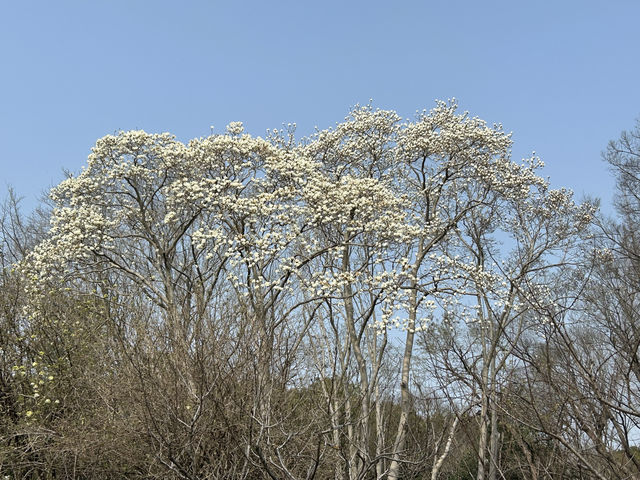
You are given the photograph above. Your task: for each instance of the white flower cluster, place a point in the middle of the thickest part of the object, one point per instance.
(373, 208)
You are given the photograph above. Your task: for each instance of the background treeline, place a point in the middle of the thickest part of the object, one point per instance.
(385, 299)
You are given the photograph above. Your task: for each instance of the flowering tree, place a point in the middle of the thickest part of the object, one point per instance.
(240, 254)
(586, 360)
(463, 188)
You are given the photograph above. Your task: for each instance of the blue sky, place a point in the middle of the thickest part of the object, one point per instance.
(561, 75)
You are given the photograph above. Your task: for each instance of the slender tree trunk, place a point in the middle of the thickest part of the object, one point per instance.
(484, 426)
(405, 398)
(495, 434)
(379, 414)
(361, 436)
(379, 436)
(437, 465)
(351, 435)
(335, 418)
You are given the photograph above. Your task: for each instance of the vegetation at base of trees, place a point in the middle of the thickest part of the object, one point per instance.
(384, 299)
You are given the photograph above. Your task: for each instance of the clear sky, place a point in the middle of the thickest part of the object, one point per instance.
(562, 75)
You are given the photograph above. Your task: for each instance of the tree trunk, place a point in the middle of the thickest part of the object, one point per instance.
(484, 426)
(405, 399)
(494, 457)
(437, 465)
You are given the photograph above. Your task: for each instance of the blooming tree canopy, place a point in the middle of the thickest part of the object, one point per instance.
(377, 223)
